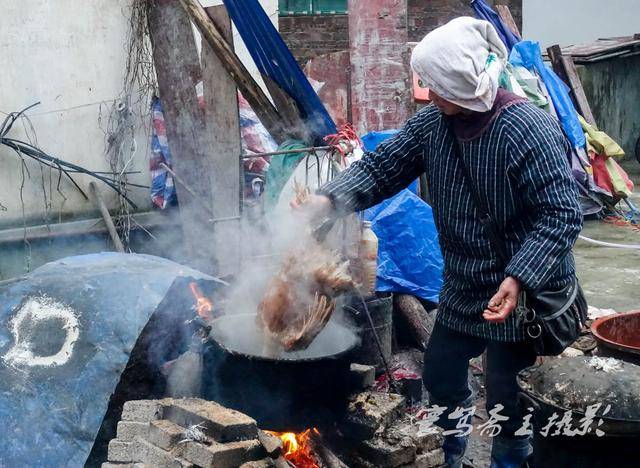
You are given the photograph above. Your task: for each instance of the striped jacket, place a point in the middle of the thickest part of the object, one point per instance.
(520, 170)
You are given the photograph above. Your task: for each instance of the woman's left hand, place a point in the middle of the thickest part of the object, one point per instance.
(503, 302)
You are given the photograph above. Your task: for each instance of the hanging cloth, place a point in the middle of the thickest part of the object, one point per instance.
(485, 12)
(274, 59)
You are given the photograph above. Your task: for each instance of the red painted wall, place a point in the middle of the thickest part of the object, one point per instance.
(380, 87)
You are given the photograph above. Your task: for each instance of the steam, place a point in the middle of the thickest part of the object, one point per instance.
(286, 232)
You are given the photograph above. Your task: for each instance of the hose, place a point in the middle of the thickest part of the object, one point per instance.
(610, 244)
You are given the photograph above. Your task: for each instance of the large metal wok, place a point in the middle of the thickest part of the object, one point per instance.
(291, 392)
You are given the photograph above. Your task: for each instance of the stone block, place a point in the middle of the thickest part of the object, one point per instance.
(223, 424)
(362, 376)
(430, 459)
(272, 444)
(142, 410)
(127, 430)
(368, 411)
(164, 434)
(121, 451)
(217, 455)
(386, 453)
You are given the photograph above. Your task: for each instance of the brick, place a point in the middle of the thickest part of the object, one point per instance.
(264, 463)
(164, 434)
(123, 465)
(142, 410)
(271, 444)
(404, 427)
(223, 424)
(155, 456)
(362, 376)
(428, 442)
(281, 462)
(217, 455)
(368, 411)
(385, 453)
(430, 459)
(127, 430)
(122, 452)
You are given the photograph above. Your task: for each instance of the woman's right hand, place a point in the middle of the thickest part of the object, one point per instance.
(315, 206)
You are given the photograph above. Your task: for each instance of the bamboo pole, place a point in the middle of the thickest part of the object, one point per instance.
(99, 202)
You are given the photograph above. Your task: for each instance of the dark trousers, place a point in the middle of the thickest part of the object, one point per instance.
(445, 373)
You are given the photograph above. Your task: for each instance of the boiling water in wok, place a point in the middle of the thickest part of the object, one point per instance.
(240, 334)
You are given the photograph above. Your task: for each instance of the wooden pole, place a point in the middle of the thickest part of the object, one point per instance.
(419, 322)
(565, 68)
(505, 15)
(178, 70)
(111, 228)
(251, 91)
(223, 128)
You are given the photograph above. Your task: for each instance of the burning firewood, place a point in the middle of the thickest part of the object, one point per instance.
(301, 298)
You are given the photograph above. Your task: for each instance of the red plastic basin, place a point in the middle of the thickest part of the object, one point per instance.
(619, 335)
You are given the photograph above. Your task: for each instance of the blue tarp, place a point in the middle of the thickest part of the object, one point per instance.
(66, 333)
(485, 12)
(527, 54)
(273, 59)
(409, 257)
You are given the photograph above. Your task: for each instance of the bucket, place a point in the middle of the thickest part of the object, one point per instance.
(381, 310)
(618, 336)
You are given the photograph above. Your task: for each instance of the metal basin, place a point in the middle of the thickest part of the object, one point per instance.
(290, 392)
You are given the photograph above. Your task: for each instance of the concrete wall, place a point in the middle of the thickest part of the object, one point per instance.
(69, 55)
(570, 22)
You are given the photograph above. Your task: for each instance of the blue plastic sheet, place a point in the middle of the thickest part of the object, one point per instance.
(372, 139)
(66, 333)
(274, 59)
(409, 257)
(527, 54)
(485, 12)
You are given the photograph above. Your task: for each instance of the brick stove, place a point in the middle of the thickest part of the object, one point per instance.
(376, 431)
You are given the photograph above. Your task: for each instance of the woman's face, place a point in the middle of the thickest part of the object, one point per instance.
(446, 107)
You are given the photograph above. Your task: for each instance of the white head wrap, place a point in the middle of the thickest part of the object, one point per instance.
(462, 62)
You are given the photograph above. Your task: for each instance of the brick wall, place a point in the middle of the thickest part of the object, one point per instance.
(423, 17)
(310, 36)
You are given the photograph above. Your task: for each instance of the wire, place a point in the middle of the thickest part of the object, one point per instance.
(22, 147)
(610, 244)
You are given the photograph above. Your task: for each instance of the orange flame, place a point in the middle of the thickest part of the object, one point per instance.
(297, 448)
(204, 307)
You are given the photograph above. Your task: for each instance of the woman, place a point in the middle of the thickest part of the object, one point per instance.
(516, 157)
